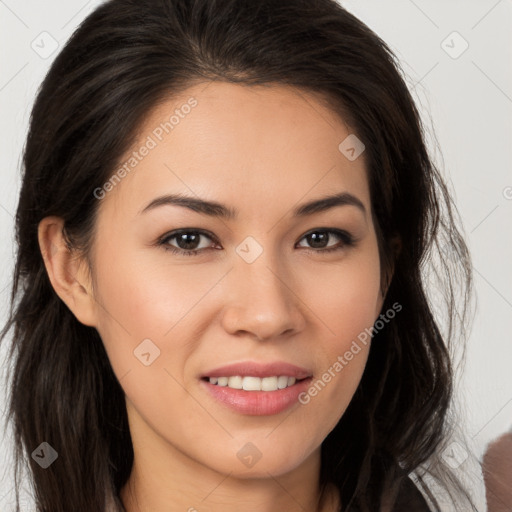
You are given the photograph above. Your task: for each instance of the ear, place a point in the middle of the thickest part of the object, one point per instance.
(68, 273)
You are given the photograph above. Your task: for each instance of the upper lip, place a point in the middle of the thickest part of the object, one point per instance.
(255, 369)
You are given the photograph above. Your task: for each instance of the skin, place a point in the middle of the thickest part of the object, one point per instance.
(497, 471)
(291, 304)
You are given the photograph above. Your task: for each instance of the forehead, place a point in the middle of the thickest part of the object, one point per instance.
(239, 143)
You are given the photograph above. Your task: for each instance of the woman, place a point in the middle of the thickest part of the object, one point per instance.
(219, 299)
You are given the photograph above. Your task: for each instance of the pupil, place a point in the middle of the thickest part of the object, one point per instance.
(188, 238)
(317, 237)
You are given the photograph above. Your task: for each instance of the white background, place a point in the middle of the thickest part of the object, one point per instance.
(468, 102)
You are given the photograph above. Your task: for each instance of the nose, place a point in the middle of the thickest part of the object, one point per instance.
(261, 302)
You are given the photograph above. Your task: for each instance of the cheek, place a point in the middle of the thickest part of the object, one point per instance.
(145, 297)
(147, 324)
(148, 298)
(346, 296)
(347, 301)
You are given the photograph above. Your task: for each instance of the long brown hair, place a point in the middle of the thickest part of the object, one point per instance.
(122, 60)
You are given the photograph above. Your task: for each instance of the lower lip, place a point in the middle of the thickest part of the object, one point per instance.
(257, 403)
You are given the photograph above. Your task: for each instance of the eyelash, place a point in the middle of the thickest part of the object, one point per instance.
(346, 238)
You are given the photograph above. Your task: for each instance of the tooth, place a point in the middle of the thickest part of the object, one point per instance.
(269, 384)
(235, 382)
(252, 384)
(282, 381)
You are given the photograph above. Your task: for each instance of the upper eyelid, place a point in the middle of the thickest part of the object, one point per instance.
(174, 233)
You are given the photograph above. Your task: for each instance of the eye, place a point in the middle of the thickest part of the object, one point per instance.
(319, 237)
(188, 241)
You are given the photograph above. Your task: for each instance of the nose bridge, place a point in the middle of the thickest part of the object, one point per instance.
(265, 279)
(262, 279)
(262, 301)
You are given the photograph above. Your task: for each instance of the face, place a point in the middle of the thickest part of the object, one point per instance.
(258, 292)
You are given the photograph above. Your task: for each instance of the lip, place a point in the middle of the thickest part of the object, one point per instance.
(257, 403)
(254, 369)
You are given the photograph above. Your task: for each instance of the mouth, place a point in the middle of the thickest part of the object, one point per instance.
(256, 389)
(253, 383)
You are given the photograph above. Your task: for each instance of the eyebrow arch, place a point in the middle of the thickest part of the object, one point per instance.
(215, 209)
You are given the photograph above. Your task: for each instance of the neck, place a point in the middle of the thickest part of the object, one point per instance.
(228, 494)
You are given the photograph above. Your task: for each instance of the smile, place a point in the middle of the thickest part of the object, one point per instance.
(250, 383)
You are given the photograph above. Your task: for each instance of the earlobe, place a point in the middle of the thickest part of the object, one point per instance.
(67, 273)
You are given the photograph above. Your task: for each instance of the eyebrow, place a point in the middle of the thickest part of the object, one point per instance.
(215, 209)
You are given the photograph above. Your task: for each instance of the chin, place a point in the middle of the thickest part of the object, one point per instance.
(262, 459)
